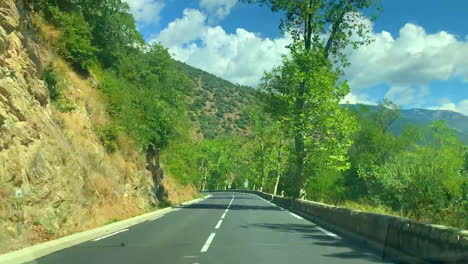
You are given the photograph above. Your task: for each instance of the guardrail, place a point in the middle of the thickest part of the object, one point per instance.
(395, 237)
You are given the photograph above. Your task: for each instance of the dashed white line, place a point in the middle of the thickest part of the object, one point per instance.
(223, 215)
(115, 233)
(208, 243)
(295, 215)
(219, 224)
(328, 233)
(227, 209)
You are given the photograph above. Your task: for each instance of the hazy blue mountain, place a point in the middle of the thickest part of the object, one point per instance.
(418, 116)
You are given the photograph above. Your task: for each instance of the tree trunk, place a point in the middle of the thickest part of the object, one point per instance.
(203, 171)
(278, 170)
(299, 126)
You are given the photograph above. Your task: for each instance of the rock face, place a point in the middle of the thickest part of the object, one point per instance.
(55, 176)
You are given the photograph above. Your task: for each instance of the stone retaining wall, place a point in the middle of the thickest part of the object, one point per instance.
(394, 237)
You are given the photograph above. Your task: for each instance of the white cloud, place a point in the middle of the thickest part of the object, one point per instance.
(146, 11)
(352, 98)
(461, 107)
(217, 9)
(241, 57)
(408, 63)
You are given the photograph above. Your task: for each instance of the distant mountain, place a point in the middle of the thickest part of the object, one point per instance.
(218, 105)
(418, 116)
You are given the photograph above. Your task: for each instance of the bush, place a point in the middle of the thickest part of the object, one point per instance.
(52, 81)
(108, 135)
(75, 38)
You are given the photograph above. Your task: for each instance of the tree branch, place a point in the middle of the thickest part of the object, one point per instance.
(336, 27)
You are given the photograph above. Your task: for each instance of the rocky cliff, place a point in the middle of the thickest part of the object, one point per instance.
(56, 177)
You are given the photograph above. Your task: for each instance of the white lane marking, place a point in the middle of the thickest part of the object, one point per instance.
(223, 216)
(208, 243)
(295, 215)
(227, 209)
(115, 233)
(219, 224)
(328, 233)
(157, 217)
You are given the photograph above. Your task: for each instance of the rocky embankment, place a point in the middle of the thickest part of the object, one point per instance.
(56, 178)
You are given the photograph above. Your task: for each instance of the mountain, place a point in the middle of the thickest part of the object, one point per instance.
(418, 116)
(218, 105)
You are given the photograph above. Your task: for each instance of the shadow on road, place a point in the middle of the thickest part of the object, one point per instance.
(348, 249)
(233, 207)
(229, 197)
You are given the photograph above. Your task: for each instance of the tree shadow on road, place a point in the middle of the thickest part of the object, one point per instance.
(232, 207)
(348, 249)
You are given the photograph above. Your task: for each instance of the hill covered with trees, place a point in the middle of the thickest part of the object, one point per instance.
(218, 105)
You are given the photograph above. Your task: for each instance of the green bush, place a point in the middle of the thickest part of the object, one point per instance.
(75, 38)
(52, 82)
(108, 135)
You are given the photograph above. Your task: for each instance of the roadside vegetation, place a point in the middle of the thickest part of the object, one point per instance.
(292, 137)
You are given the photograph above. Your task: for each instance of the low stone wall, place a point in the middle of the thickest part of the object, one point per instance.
(394, 237)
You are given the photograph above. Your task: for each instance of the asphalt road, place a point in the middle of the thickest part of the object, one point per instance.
(228, 228)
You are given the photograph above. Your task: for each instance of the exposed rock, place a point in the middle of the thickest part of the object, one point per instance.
(3, 40)
(67, 180)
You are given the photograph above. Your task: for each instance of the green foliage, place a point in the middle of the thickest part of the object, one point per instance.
(75, 38)
(108, 135)
(56, 86)
(52, 82)
(320, 126)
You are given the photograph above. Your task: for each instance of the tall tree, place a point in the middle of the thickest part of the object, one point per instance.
(308, 21)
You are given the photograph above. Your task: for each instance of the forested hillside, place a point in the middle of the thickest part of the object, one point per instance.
(218, 105)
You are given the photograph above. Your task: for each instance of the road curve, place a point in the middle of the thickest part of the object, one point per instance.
(228, 228)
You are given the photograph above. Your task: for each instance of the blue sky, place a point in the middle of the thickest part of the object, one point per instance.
(419, 57)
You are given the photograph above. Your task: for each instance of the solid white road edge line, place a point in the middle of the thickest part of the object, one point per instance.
(208, 243)
(219, 224)
(157, 217)
(328, 233)
(115, 233)
(295, 215)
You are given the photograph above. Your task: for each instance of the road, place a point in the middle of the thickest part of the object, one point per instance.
(228, 228)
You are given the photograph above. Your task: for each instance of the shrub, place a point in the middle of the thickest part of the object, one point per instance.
(108, 135)
(75, 38)
(52, 81)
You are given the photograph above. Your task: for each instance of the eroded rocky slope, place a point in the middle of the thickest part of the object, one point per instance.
(56, 178)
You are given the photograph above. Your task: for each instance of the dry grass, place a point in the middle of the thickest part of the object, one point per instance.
(364, 207)
(178, 193)
(48, 33)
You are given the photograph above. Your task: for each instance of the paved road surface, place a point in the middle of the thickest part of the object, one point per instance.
(228, 228)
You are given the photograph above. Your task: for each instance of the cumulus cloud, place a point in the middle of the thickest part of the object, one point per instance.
(461, 107)
(217, 9)
(146, 11)
(408, 63)
(352, 98)
(241, 57)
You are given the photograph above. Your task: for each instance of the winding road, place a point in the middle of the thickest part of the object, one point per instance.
(227, 228)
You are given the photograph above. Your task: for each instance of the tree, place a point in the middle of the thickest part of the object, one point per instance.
(307, 21)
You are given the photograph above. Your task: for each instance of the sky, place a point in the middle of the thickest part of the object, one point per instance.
(419, 57)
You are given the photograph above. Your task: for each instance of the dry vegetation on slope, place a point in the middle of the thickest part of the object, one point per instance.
(56, 177)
